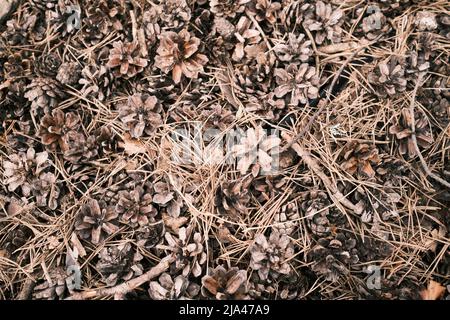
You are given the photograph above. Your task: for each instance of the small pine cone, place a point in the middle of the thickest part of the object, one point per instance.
(102, 17)
(287, 220)
(296, 48)
(403, 132)
(22, 168)
(388, 78)
(166, 288)
(315, 208)
(95, 221)
(223, 284)
(268, 188)
(17, 65)
(47, 65)
(141, 114)
(55, 289)
(150, 235)
(217, 116)
(178, 52)
(164, 196)
(54, 128)
(325, 21)
(359, 158)
(232, 197)
(97, 82)
(268, 106)
(119, 263)
(79, 148)
(125, 60)
(332, 257)
(44, 93)
(136, 206)
(269, 256)
(263, 10)
(375, 23)
(301, 83)
(174, 13)
(425, 21)
(16, 238)
(227, 8)
(190, 253)
(46, 191)
(151, 27)
(69, 73)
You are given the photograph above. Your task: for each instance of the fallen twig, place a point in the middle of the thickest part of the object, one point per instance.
(122, 289)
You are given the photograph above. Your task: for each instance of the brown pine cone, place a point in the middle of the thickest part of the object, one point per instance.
(44, 93)
(232, 197)
(150, 235)
(388, 78)
(54, 128)
(166, 197)
(227, 8)
(55, 289)
(325, 21)
(295, 48)
(95, 221)
(166, 288)
(16, 238)
(269, 256)
(359, 158)
(43, 5)
(223, 284)
(287, 219)
(46, 191)
(69, 73)
(119, 263)
(178, 52)
(97, 82)
(47, 65)
(125, 59)
(79, 148)
(136, 206)
(141, 114)
(174, 13)
(403, 133)
(264, 10)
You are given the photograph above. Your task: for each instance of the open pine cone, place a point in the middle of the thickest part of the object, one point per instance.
(223, 284)
(269, 256)
(136, 206)
(125, 59)
(232, 197)
(300, 82)
(95, 221)
(141, 114)
(359, 158)
(388, 78)
(54, 128)
(55, 289)
(325, 22)
(178, 52)
(403, 133)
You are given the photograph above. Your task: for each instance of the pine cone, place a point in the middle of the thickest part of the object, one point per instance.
(46, 191)
(331, 257)
(316, 210)
(223, 284)
(268, 187)
(403, 133)
(218, 117)
(388, 78)
(268, 106)
(301, 83)
(97, 82)
(16, 238)
(174, 13)
(268, 256)
(359, 158)
(95, 221)
(79, 148)
(190, 253)
(47, 65)
(22, 168)
(325, 21)
(287, 220)
(150, 235)
(296, 48)
(375, 24)
(119, 263)
(54, 128)
(167, 288)
(136, 206)
(56, 289)
(232, 197)
(179, 53)
(264, 10)
(227, 8)
(141, 114)
(125, 59)
(69, 73)
(165, 197)
(44, 93)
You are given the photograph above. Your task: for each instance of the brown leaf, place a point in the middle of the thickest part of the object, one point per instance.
(433, 292)
(132, 146)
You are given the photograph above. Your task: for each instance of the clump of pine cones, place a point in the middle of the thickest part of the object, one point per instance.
(135, 132)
